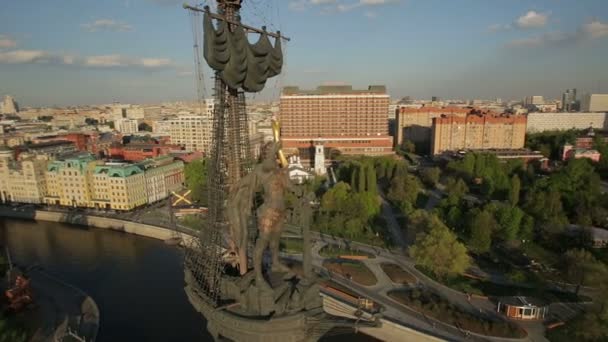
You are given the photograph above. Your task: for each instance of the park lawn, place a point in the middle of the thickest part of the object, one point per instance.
(333, 251)
(294, 246)
(433, 305)
(351, 269)
(398, 274)
(489, 289)
(540, 254)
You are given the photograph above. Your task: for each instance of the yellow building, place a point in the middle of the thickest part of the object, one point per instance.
(119, 187)
(22, 180)
(69, 181)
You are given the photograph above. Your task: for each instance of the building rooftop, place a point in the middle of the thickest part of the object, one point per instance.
(335, 90)
(120, 170)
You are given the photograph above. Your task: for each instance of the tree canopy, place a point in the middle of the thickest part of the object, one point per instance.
(196, 179)
(440, 252)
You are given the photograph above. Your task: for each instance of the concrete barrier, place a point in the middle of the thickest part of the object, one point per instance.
(141, 229)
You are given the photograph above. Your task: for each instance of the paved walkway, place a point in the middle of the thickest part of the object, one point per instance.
(379, 292)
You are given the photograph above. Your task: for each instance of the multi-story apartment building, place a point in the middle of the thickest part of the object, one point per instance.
(414, 124)
(118, 186)
(82, 181)
(594, 103)
(337, 117)
(163, 176)
(193, 132)
(69, 181)
(451, 132)
(126, 126)
(22, 180)
(540, 122)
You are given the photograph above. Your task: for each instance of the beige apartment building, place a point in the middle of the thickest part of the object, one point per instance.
(193, 132)
(338, 117)
(414, 124)
(22, 180)
(163, 175)
(453, 133)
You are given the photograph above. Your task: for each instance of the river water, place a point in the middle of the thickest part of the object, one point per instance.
(137, 282)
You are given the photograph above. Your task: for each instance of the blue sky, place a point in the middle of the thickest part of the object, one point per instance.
(65, 52)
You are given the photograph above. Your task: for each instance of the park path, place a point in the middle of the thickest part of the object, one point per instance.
(392, 223)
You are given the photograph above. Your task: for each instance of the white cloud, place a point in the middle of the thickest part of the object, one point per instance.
(110, 61)
(595, 29)
(370, 14)
(7, 42)
(499, 27)
(25, 56)
(333, 6)
(107, 25)
(102, 61)
(185, 73)
(532, 19)
(589, 31)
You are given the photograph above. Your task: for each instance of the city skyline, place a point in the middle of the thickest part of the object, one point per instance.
(84, 53)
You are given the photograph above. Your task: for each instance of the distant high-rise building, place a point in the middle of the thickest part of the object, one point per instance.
(126, 126)
(569, 101)
(594, 103)
(435, 99)
(9, 106)
(534, 100)
(344, 119)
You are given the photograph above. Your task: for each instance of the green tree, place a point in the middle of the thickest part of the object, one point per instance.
(371, 179)
(403, 188)
(440, 252)
(196, 179)
(509, 222)
(514, 190)
(361, 178)
(456, 189)
(482, 226)
(582, 268)
(430, 176)
(526, 232)
(144, 127)
(408, 146)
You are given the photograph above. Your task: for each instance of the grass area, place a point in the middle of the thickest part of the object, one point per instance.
(435, 306)
(398, 274)
(353, 270)
(294, 246)
(333, 251)
(489, 289)
(540, 254)
(192, 221)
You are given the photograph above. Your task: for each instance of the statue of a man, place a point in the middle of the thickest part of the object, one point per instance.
(271, 220)
(240, 203)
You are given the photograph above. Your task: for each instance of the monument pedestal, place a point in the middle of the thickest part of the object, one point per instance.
(287, 313)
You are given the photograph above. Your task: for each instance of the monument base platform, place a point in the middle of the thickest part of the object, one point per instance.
(231, 323)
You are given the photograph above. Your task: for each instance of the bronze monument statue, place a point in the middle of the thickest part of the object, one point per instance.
(240, 302)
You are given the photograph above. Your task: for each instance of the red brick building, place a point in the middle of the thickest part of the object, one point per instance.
(139, 151)
(339, 117)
